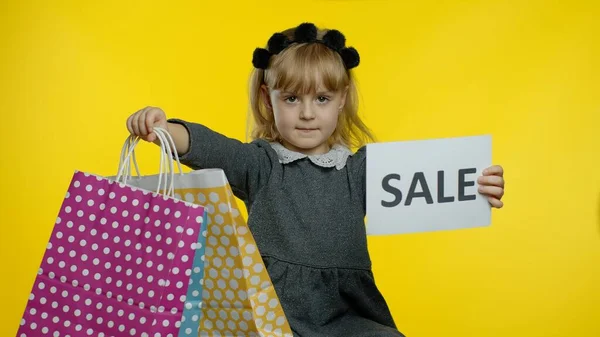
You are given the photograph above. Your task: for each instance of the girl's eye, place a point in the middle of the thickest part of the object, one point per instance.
(291, 99)
(322, 99)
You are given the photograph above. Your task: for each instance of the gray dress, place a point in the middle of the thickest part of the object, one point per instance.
(308, 223)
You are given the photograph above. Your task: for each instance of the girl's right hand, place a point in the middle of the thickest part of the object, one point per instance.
(143, 122)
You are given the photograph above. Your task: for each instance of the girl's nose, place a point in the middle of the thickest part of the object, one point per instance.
(307, 111)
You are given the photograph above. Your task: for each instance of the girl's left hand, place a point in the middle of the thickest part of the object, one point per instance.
(491, 184)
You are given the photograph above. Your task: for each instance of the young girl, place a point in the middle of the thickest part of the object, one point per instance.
(303, 187)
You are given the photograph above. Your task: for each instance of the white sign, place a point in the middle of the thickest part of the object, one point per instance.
(427, 185)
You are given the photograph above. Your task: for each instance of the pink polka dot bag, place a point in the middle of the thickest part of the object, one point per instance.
(121, 261)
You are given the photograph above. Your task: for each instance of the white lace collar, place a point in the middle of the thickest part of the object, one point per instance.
(336, 157)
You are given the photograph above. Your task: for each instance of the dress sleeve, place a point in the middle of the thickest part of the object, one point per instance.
(357, 166)
(246, 165)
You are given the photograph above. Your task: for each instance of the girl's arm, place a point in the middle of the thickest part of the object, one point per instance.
(246, 165)
(181, 138)
(357, 168)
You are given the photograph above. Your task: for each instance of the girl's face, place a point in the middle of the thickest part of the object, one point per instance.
(305, 122)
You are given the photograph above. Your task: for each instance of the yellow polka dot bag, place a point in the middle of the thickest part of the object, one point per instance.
(238, 297)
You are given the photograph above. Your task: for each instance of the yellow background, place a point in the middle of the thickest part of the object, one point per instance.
(527, 72)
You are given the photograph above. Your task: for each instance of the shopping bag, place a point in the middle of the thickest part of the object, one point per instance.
(121, 261)
(238, 296)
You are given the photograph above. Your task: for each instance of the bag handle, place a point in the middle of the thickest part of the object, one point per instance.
(128, 147)
(167, 146)
(128, 152)
(169, 150)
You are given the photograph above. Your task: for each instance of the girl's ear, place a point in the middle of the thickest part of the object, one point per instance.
(266, 98)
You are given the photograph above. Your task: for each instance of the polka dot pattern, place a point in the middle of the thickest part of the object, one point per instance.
(238, 296)
(193, 305)
(118, 263)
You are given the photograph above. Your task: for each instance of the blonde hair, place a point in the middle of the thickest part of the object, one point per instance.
(300, 68)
